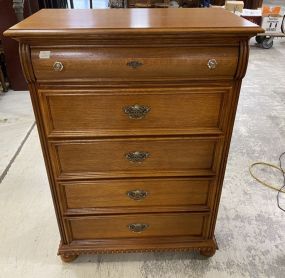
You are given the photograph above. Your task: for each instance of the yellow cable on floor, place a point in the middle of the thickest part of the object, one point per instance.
(277, 188)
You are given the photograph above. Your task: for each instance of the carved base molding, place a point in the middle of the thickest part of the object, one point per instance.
(69, 253)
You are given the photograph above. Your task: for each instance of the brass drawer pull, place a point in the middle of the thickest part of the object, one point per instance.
(212, 63)
(137, 157)
(134, 64)
(57, 66)
(137, 194)
(136, 111)
(137, 227)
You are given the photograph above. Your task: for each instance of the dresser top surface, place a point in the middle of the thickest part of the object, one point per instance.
(52, 21)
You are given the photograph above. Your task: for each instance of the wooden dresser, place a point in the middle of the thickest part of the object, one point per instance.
(135, 110)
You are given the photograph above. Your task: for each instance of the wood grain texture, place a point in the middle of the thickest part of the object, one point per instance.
(113, 58)
(159, 192)
(243, 61)
(172, 111)
(103, 227)
(25, 57)
(47, 159)
(107, 158)
(156, 244)
(155, 63)
(87, 22)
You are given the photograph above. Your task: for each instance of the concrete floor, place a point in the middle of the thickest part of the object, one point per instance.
(28, 229)
(16, 119)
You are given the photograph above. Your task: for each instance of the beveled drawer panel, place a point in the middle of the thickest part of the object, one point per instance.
(140, 225)
(135, 157)
(134, 63)
(137, 193)
(134, 111)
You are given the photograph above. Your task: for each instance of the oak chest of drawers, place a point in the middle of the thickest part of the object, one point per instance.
(135, 110)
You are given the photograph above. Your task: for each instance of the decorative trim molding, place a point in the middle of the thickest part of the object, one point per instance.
(243, 59)
(25, 57)
(67, 252)
(204, 250)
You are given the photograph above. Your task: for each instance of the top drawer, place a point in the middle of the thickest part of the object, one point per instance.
(134, 63)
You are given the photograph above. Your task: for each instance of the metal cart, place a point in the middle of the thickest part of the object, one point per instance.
(265, 40)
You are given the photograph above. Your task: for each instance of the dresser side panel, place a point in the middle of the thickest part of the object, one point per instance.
(242, 66)
(32, 85)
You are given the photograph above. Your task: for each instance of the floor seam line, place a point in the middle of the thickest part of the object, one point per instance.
(6, 170)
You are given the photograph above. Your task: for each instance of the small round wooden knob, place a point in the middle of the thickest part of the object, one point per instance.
(58, 66)
(212, 64)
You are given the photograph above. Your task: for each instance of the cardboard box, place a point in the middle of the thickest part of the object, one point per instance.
(234, 6)
(272, 24)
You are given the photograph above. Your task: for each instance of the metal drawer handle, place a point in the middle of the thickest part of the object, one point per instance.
(136, 111)
(134, 64)
(212, 63)
(137, 157)
(57, 66)
(137, 227)
(137, 194)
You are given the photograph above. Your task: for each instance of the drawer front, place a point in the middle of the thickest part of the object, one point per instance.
(135, 157)
(137, 193)
(141, 225)
(134, 63)
(141, 111)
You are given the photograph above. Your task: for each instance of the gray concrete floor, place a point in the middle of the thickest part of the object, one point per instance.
(28, 229)
(16, 119)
